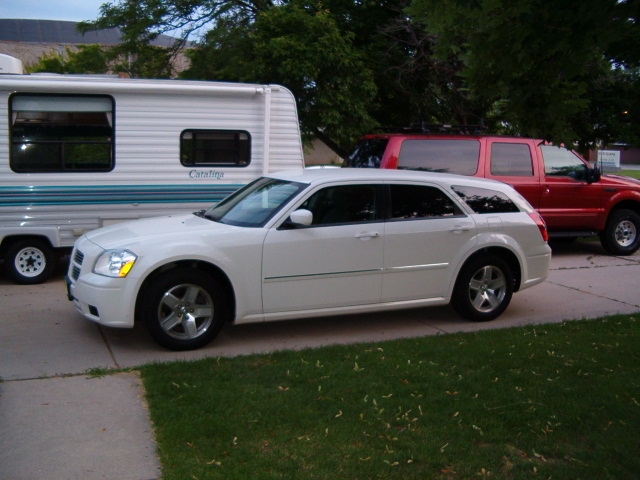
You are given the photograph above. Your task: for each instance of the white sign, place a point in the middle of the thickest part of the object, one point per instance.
(609, 159)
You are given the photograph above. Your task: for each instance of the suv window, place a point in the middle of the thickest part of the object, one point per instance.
(444, 156)
(367, 153)
(511, 160)
(482, 200)
(560, 162)
(415, 201)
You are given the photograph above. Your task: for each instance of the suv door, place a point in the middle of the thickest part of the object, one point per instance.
(512, 161)
(568, 201)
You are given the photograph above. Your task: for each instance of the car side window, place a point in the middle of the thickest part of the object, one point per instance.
(415, 201)
(560, 162)
(344, 204)
(483, 200)
(511, 160)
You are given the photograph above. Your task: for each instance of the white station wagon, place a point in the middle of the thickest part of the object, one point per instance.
(313, 243)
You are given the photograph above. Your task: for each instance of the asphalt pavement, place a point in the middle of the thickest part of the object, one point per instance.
(58, 422)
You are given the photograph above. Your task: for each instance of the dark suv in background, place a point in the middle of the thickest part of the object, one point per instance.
(572, 197)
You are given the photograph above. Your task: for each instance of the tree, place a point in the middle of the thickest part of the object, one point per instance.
(305, 52)
(543, 66)
(86, 59)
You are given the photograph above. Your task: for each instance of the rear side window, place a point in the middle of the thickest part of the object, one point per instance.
(227, 148)
(367, 153)
(61, 133)
(444, 156)
(511, 160)
(416, 201)
(483, 200)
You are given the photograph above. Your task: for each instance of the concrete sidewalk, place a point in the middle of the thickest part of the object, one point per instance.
(58, 423)
(76, 428)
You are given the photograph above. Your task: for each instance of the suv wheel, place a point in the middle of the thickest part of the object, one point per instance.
(622, 233)
(483, 289)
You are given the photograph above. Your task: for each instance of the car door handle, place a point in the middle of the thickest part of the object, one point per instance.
(367, 235)
(458, 229)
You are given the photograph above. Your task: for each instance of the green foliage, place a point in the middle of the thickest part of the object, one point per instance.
(86, 59)
(548, 401)
(303, 48)
(545, 66)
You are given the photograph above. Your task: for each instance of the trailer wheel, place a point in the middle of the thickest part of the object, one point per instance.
(29, 262)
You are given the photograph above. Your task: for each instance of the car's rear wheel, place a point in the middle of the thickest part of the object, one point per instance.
(622, 233)
(184, 309)
(30, 261)
(483, 289)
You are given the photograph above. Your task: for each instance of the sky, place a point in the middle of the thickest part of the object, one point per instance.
(72, 10)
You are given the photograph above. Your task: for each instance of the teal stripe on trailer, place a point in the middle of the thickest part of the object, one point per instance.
(113, 194)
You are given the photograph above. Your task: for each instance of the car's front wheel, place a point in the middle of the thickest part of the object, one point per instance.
(183, 309)
(483, 289)
(622, 233)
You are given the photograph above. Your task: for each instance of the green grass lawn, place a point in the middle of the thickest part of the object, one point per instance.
(630, 173)
(557, 401)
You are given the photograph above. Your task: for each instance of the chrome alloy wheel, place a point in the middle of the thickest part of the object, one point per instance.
(186, 311)
(625, 233)
(487, 288)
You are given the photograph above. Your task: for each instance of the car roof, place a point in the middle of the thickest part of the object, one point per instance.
(319, 176)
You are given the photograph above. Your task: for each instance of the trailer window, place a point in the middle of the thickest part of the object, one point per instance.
(215, 147)
(61, 133)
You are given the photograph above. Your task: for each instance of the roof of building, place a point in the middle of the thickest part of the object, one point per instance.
(61, 32)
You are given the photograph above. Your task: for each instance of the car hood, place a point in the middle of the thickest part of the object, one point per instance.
(157, 230)
(621, 181)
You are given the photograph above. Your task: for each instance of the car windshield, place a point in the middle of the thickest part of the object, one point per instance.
(254, 204)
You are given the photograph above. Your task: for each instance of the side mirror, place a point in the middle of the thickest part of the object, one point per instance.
(301, 217)
(593, 174)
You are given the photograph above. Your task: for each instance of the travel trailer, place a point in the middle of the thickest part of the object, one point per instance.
(81, 152)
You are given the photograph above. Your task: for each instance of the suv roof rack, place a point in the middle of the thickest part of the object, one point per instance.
(436, 128)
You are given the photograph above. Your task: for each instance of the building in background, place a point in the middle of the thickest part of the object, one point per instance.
(29, 40)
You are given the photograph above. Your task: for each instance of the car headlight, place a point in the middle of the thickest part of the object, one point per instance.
(115, 263)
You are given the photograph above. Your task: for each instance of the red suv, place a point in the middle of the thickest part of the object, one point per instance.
(572, 197)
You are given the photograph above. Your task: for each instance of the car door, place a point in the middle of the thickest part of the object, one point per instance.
(511, 161)
(568, 201)
(425, 237)
(334, 262)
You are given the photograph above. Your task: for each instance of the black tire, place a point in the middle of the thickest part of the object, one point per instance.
(184, 309)
(29, 262)
(622, 233)
(483, 289)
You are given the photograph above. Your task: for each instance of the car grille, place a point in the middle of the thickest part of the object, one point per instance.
(76, 264)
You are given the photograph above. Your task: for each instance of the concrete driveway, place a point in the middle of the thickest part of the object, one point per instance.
(56, 423)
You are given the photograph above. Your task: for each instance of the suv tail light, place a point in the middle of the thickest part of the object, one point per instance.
(535, 216)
